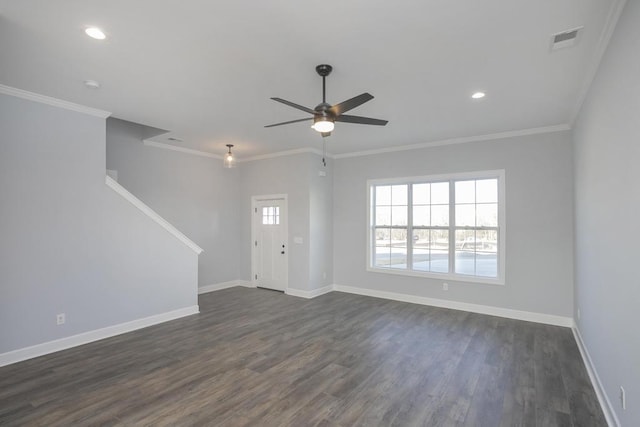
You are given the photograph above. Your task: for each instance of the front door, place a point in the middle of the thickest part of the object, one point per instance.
(270, 243)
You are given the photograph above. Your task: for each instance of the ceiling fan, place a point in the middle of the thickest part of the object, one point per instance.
(325, 115)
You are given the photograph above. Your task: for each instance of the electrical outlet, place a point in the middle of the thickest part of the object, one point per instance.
(60, 319)
(445, 286)
(578, 314)
(623, 398)
(324, 274)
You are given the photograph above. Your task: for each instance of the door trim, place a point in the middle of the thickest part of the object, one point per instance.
(254, 261)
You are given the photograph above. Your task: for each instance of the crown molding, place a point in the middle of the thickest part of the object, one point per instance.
(601, 47)
(42, 99)
(286, 153)
(439, 143)
(181, 149)
(462, 140)
(193, 152)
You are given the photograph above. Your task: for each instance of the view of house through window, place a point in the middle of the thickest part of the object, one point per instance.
(438, 226)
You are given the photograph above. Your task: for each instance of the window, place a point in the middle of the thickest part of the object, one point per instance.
(271, 215)
(442, 226)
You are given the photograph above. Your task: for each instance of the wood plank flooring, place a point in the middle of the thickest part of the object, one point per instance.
(259, 358)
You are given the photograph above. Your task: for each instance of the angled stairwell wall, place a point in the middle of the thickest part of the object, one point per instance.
(71, 244)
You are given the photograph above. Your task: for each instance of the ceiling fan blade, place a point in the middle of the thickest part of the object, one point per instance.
(361, 120)
(290, 121)
(349, 104)
(294, 105)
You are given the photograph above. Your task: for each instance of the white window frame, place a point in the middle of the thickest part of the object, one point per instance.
(451, 178)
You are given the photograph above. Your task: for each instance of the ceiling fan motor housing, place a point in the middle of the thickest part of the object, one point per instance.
(323, 109)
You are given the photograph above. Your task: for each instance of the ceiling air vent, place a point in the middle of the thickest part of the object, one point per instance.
(564, 39)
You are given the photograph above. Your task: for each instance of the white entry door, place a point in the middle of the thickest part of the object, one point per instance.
(270, 251)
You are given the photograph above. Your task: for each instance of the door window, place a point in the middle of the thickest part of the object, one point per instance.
(270, 215)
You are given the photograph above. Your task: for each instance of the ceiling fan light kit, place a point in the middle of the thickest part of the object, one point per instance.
(325, 115)
(323, 125)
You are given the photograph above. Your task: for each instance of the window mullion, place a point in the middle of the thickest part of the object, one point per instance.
(475, 232)
(409, 226)
(452, 228)
(374, 225)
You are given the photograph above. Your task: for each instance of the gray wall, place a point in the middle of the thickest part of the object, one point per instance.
(539, 213)
(203, 200)
(71, 244)
(607, 155)
(195, 194)
(320, 224)
(296, 176)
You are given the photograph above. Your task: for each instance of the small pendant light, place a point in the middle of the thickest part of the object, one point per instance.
(229, 160)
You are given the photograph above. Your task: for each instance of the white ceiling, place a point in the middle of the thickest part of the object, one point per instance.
(205, 70)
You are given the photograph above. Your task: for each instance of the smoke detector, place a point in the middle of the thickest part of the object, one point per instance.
(564, 39)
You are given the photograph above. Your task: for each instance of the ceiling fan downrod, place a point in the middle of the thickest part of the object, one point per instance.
(324, 70)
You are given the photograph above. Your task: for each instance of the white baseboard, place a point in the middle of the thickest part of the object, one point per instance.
(224, 285)
(249, 284)
(87, 337)
(605, 403)
(528, 316)
(309, 294)
(246, 283)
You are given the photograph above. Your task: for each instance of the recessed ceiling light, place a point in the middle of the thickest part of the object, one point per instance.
(478, 95)
(95, 33)
(92, 84)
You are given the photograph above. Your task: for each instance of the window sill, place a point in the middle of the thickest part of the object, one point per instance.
(440, 276)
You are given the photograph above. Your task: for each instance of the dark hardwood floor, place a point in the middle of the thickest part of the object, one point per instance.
(260, 358)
